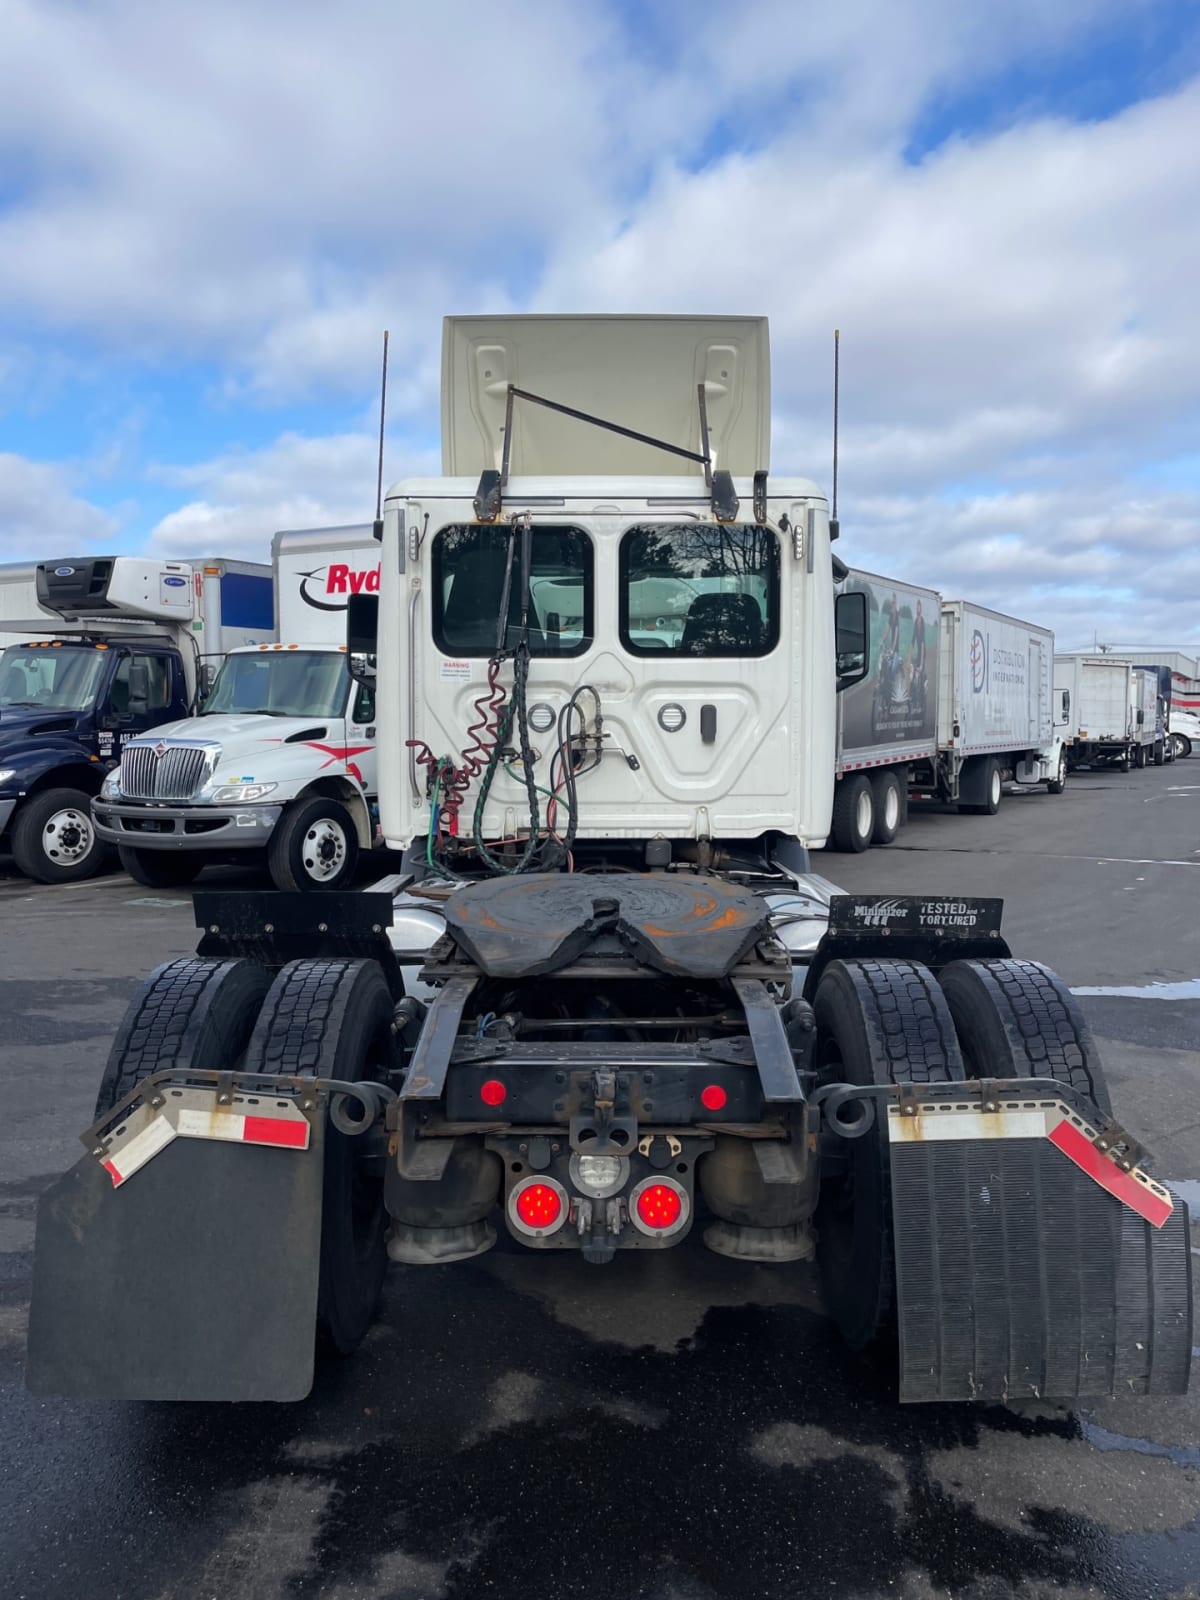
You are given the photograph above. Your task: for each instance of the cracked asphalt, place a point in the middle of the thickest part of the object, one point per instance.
(672, 1427)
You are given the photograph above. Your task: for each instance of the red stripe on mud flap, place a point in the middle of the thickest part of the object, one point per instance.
(276, 1130)
(118, 1178)
(1079, 1149)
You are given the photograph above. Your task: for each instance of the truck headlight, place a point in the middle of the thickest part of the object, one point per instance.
(7, 774)
(110, 789)
(240, 794)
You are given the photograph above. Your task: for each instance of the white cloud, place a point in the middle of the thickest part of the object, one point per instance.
(41, 516)
(264, 188)
(237, 501)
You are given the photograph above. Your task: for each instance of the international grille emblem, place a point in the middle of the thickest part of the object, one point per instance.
(160, 749)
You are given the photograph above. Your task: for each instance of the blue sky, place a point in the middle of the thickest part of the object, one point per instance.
(207, 217)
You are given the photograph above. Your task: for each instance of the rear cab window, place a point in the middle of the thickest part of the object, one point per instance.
(469, 565)
(700, 589)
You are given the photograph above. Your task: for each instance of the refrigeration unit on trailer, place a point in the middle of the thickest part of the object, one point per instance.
(281, 759)
(887, 723)
(607, 1004)
(113, 647)
(996, 710)
(1101, 692)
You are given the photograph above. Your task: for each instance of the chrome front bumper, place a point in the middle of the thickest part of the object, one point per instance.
(151, 826)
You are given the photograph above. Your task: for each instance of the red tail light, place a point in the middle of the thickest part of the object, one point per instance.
(659, 1206)
(538, 1206)
(492, 1092)
(713, 1097)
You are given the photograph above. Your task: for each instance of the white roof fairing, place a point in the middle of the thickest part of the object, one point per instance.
(640, 372)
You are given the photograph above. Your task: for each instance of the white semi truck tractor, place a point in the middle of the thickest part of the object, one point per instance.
(607, 1006)
(280, 763)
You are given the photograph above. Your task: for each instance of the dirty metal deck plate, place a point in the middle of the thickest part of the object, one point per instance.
(691, 926)
(1019, 1277)
(194, 1280)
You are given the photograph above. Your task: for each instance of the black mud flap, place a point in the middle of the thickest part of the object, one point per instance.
(1020, 1278)
(194, 1280)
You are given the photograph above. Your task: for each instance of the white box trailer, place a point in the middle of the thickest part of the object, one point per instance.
(887, 722)
(1100, 691)
(316, 572)
(1145, 722)
(996, 716)
(18, 600)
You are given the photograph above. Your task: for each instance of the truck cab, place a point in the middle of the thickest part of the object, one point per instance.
(67, 706)
(281, 760)
(120, 647)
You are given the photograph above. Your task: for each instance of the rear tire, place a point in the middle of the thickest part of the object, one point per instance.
(888, 799)
(157, 869)
(993, 788)
(1159, 754)
(192, 1013)
(333, 1019)
(877, 1022)
(314, 846)
(54, 839)
(853, 815)
(1018, 1019)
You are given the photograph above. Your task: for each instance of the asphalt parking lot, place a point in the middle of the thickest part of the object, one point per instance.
(674, 1426)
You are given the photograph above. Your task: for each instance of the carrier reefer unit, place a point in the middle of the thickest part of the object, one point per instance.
(281, 759)
(607, 1005)
(115, 646)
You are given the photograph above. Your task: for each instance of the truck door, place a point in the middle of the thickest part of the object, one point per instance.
(704, 616)
(142, 693)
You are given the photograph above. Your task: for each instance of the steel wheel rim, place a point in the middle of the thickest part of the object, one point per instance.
(891, 809)
(323, 850)
(67, 838)
(996, 789)
(862, 814)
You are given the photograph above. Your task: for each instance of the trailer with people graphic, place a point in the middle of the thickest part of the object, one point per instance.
(887, 722)
(957, 700)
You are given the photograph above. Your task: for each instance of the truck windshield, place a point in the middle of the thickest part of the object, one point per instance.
(700, 589)
(281, 683)
(54, 678)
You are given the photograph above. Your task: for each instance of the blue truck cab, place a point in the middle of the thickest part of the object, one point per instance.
(66, 705)
(127, 645)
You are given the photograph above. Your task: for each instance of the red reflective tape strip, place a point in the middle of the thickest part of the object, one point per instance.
(275, 1130)
(1079, 1149)
(117, 1177)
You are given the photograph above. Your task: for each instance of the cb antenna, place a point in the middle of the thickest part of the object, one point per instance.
(834, 529)
(377, 530)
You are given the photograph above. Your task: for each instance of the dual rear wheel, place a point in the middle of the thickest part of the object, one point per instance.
(316, 1019)
(882, 1022)
(867, 809)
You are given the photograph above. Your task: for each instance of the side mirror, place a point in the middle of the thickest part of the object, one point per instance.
(362, 636)
(852, 635)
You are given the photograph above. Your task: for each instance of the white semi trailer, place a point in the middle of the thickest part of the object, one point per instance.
(607, 1004)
